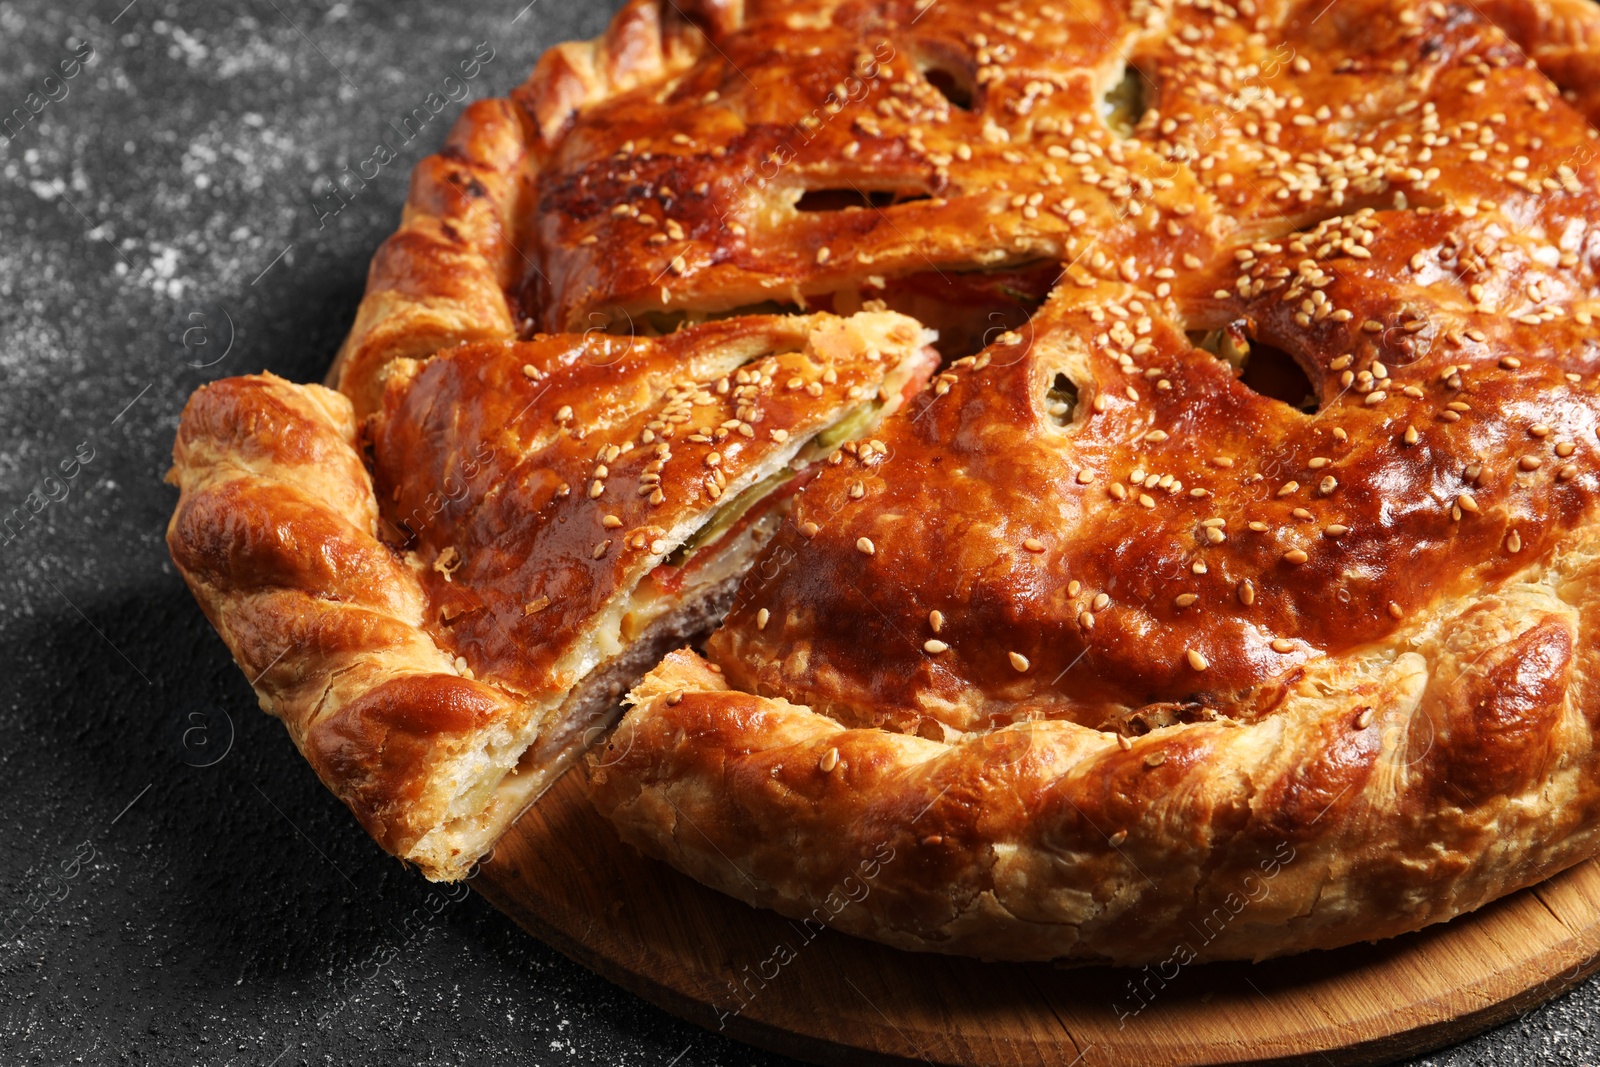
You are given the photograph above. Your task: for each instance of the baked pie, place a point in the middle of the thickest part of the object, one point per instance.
(1135, 463)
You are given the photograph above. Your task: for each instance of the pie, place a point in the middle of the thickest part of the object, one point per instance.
(1135, 464)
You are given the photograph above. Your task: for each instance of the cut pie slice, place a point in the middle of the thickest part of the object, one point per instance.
(555, 514)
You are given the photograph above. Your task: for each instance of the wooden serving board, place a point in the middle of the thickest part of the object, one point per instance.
(563, 875)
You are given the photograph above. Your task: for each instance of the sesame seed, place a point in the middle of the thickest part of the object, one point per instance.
(1328, 485)
(1033, 544)
(829, 761)
(1118, 838)
(1196, 660)
(1530, 463)
(1183, 600)
(933, 647)
(600, 549)
(1281, 645)
(1364, 720)
(1247, 592)
(1018, 661)
(1396, 610)
(1295, 556)
(1123, 743)
(1411, 435)
(658, 547)
(1101, 601)
(1567, 472)
(809, 529)
(611, 522)
(865, 546)
(761, 618)
(1513, 542)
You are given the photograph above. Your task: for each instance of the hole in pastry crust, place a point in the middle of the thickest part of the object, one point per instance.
(969, 309)
(1274, 373)
(1061, 400)
(953, 82)
(1263, 368)
(1126, 102)
(846, 199)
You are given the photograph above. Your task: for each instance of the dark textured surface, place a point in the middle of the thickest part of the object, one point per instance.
(177, 887)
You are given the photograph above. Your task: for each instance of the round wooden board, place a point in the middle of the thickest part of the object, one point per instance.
(564, 876)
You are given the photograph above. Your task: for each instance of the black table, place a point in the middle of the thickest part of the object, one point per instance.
(177, 888)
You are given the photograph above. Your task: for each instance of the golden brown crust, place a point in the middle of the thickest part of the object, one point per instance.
(275, 532)
(1093, 630)
(1353, 631)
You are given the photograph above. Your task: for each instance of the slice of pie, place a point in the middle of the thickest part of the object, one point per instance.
(557, 514)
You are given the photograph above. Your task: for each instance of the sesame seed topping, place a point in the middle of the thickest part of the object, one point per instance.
(761, 618)
(1183, 600)
(865, 546)
(1282, 644)
(1018, 661)
(936, 620)
(1033, 544)
(1196, 660)
(933, 646)
(1295, 556)
(1247, 592)
(829, 761)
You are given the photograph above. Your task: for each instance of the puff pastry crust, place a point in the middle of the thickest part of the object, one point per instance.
(1099, 634)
